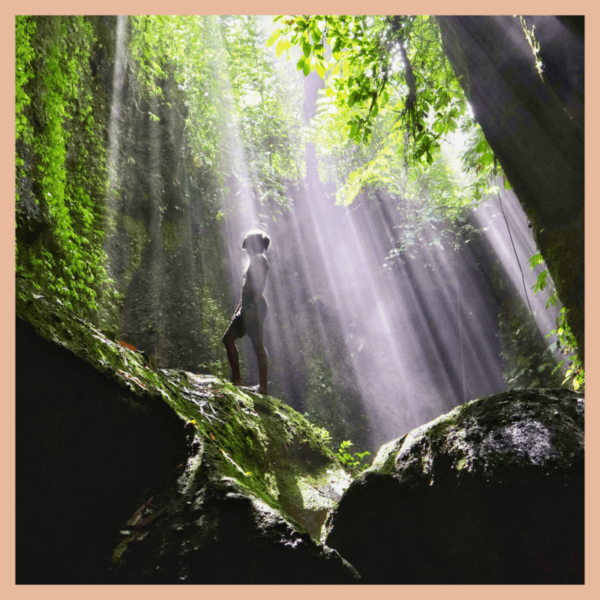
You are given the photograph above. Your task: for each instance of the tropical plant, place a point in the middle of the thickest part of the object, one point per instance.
(352, 462)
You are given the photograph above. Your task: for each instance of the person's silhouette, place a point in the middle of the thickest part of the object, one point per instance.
(250, 314)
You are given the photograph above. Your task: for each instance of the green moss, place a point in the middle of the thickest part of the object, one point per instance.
(140, 238)
(170, 238)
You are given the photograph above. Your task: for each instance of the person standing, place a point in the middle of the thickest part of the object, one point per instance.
(249, 316)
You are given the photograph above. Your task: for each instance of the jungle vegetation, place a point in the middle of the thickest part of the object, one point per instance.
(389, 101)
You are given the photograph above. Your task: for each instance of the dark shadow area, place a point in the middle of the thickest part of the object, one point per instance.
(86, 452)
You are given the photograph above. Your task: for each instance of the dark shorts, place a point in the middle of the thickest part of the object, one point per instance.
(248, 320)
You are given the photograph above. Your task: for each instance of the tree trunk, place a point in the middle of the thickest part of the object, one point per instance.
(534, 125)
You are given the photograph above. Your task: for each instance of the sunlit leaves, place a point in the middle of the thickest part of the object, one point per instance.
(567, 344)
(303, 65)
(24, 54)
(352, 462)
(365, 71)
(479, 161)
(268, 109)
(535, 260)
(540, 284)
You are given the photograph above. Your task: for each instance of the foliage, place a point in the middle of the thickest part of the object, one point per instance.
(24, 54)
(390, 100)
(364, 67)
(352, 462)
(567, 344)
(479, 162)
(241, 121)
(56, 126)
(565, 339)
(268, 112)
(321, 434)
(190, 47)
(526, 362)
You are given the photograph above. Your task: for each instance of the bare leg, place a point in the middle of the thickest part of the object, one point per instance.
(233, 356)
(263, 363)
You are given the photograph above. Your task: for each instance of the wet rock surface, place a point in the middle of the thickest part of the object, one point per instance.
(492, 492)
(214, 532)
(131, 474)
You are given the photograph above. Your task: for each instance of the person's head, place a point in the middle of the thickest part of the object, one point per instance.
(256, 242)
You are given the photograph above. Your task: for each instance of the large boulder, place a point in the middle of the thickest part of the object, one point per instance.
(131, 474)
(492, 492)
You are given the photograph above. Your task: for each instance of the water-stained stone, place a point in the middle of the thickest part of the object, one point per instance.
(492, 492)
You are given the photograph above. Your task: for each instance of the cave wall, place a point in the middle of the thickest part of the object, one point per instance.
(163, 242)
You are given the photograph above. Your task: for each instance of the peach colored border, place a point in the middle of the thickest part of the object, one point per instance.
(8, 10)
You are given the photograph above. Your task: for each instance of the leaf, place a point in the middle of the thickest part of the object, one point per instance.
(273, 37)
(536, 260)
(315, 32)
(279, 48)
(320, 70)
(306, 47)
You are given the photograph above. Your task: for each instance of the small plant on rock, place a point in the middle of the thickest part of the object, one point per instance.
(352, 462)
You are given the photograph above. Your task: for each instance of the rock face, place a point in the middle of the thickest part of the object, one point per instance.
(213, 531)
(492, 492)
(131, 474)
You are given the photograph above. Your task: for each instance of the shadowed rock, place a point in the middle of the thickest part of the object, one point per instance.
(492, 492)
(130, 474)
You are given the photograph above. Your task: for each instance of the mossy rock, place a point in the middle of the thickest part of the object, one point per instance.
(492, 492)
(245, 475)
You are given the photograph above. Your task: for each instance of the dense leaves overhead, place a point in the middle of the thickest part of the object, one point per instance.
(381, 62)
